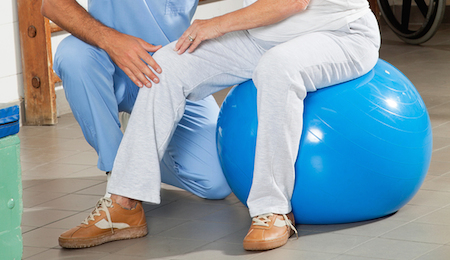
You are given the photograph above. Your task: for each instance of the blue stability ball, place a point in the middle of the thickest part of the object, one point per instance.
(364, 152)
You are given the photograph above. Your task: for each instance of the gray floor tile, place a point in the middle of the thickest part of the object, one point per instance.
(440, 142)
(30, 183)
(391, 249)
(52, 170)
(113, 247)
(439, 168)
(161, 247)
(438, 217)
(432, 101)
(372, 229)
(231, 214)
(441, 253)
(439, 183)
(26, 228)
(352, 257)
(70, 221)
(236, 237)
(326, 242)
(421, 232)
(185, 209)
(219, 251)
(29, 251)
(38, 217)
(43, 155)
(157, 225)
(202, 230)
(78, 144)
(91, 173)
(431, 198)
(72, 202)
(36, 142)
(83, 158)
(121, 257)
(65, 185)
(282, 253)
(42, 237)
(57, 254)
(29, 166)
(442, 154)
(99, 189)
(33, 131)
(411, 212)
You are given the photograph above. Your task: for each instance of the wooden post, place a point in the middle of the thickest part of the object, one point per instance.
(35, 41)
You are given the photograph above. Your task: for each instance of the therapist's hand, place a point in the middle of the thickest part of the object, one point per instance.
(131, 54)
(199, 31)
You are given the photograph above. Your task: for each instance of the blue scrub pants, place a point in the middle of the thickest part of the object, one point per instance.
(97, 90)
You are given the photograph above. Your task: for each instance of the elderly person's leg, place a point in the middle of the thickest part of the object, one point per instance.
(217, 64)
(283, 77)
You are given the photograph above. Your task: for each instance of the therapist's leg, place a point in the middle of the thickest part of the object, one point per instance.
(87, 74)
(97, 90)
(191, 161)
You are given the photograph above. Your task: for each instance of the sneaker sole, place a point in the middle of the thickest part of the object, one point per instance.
(119, 234)
(262, 245)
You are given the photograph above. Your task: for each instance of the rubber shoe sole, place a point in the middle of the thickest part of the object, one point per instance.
(267, 244)
(119, 234)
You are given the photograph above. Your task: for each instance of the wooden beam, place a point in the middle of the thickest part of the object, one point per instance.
(54, 27)
(35, 41)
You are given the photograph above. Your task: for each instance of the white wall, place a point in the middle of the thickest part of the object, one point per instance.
(11, 82)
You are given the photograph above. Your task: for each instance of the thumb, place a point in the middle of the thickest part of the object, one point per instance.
(150, 47)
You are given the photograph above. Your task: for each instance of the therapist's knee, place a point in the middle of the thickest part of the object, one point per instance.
(217, 190)
(75, 57)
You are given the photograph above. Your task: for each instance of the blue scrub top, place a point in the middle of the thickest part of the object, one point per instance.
(156, 21)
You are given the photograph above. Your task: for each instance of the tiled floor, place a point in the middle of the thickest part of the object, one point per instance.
(61, 185)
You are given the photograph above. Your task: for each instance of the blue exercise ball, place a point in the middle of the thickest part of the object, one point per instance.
(364, 152)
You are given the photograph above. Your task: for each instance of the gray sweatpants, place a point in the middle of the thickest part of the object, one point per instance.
(283, 74)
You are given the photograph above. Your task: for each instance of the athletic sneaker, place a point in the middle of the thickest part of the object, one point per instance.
(107, 222)
(269, 231)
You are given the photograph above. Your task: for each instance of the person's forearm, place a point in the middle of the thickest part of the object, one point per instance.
(72, 17)
(129, 53)
(261, 13)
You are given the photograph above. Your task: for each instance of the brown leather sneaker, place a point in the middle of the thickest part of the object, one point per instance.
(107, 222)
(269, 231)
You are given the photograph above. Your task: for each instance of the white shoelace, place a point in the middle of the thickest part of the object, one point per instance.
(103, 204)
(263, 220)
